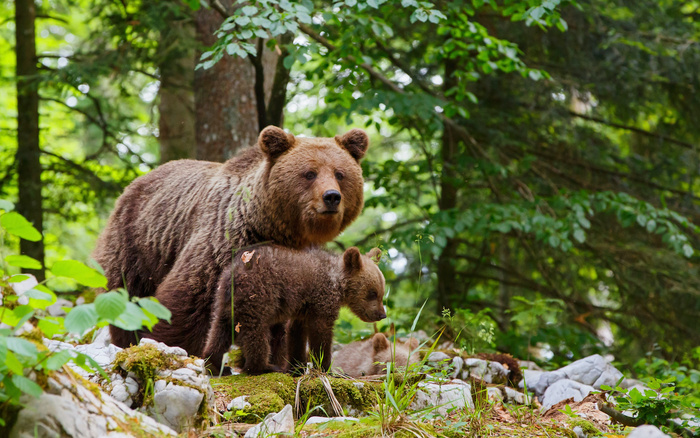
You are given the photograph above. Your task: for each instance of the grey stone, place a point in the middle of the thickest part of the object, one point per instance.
(177, 351)
(56, 309)
(647, 431)
(563, 389)
(438, 356)
(274, 424)
(495, 394)
(67, 408)
(132, 385)
(530, 379)
(174, 405)
(489, 372)
(321, 420)
(238, 403)
(513, 396)
(529, 365)
(593, 371)
(457, 365)
(120, 393)
(578, 430)
(444, 396)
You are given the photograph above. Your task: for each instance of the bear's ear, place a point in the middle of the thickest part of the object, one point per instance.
(380, 342)
(355, 141)
(274, 142)
(375, 254)
(412, 343)
(352, 259)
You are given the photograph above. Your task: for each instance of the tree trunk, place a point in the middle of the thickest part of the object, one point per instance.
(446, 275)
(176, 107)
(28, 152)
(237, 97)
(226, 113)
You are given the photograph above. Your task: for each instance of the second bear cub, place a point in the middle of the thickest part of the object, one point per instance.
(274, 285)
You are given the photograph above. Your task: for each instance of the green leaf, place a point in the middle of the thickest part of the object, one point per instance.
(18, 278)
(57, 360)
(132, 319)
(110, 305)
(81, 318)
(17, 225)
(579, 235)
(651, 225)
(79, 272)
(249, 10)
(23, 261)
(6, 205)
(21, 346)
(688, 250)
(27, 386)
(13, 364)
(152, 306)
(51, 326)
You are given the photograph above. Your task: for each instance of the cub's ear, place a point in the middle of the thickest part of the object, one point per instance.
(380, 342)
(375, 254)
(274, 142)
(352, 259)
(412, 343)
(355, 141)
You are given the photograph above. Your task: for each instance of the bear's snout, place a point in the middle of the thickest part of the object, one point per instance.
(332, 199)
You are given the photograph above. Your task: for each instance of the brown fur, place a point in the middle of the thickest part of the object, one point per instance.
(276, 285)
(369, 357)
(174, 229)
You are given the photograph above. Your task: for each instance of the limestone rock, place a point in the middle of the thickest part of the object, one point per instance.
(647, 431)
(321, 420)
(174, 405)
(274, 424)
(438, 356)
(67, 408)
(455, 394)
(238, 403)
(592, 371)
(489, 372)
(563, 389)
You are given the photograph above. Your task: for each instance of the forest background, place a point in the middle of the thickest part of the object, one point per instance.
(533, 169)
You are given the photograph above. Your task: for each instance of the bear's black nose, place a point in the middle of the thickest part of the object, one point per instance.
(331, 198)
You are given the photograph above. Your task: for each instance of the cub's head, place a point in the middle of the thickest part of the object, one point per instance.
(402, 354)
(314, 183)
(363, 284)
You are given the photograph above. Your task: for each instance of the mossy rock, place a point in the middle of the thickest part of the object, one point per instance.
(367, 427)
(269, 393)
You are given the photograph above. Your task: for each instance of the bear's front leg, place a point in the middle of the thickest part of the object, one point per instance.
(321, 342)
(297, 338)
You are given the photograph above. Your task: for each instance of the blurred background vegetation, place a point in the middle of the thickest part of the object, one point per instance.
(533, 169)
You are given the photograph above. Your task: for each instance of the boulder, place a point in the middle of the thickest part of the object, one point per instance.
(647, 431)
(274, 424)
(446, 397)
(591, 371)
(562, 390)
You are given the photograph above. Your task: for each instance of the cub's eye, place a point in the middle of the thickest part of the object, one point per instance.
(310, 175)
(339, 176)
(372, 295)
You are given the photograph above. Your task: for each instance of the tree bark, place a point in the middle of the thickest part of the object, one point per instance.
(28, 153)
(225, 105)
(446, 281)
(176, 107)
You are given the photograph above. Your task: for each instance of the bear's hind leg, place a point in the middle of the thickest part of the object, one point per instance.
(278, 345)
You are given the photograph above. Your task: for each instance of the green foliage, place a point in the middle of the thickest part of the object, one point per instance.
(22, 352)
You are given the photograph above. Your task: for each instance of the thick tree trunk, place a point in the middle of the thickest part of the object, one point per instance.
(176, 106)
(28, 152)
(229, 102)
(446, 281)
(226, 113)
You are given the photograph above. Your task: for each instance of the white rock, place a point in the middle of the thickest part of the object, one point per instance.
(457, 364)
(593, 371)
(494, 394)
(174, 405)
(238, 403)
(177, 351)
(438, 356)
(359, 385)
(132, 386)
(563, 389)
(647, 431)
(578, 430)
(23, 286)
(514, 396)
(445, 396)
(67, 409)
(56, 309)
(120, 393)
(321, 420)
(529, 365)
(530, 379)
(274, 424)
(489, 372)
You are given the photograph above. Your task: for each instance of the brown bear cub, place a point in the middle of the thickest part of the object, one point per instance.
(369, 357)
(174, 229)
(273, 285)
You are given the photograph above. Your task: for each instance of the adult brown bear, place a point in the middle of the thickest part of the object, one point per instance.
(176, 227)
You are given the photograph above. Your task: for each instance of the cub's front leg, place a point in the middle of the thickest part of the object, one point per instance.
(321, 341)
(296, 343)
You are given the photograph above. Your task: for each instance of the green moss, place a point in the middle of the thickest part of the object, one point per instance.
(313, 393)
(365, 428)
(145, 361)
(266, 393)
(588, 427)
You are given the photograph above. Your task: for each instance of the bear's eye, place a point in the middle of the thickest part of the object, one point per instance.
(339, 176)
(372, 295)
(310, 175)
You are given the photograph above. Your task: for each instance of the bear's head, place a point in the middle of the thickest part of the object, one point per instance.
(363, 284)
(315, 183)
(401, 354)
